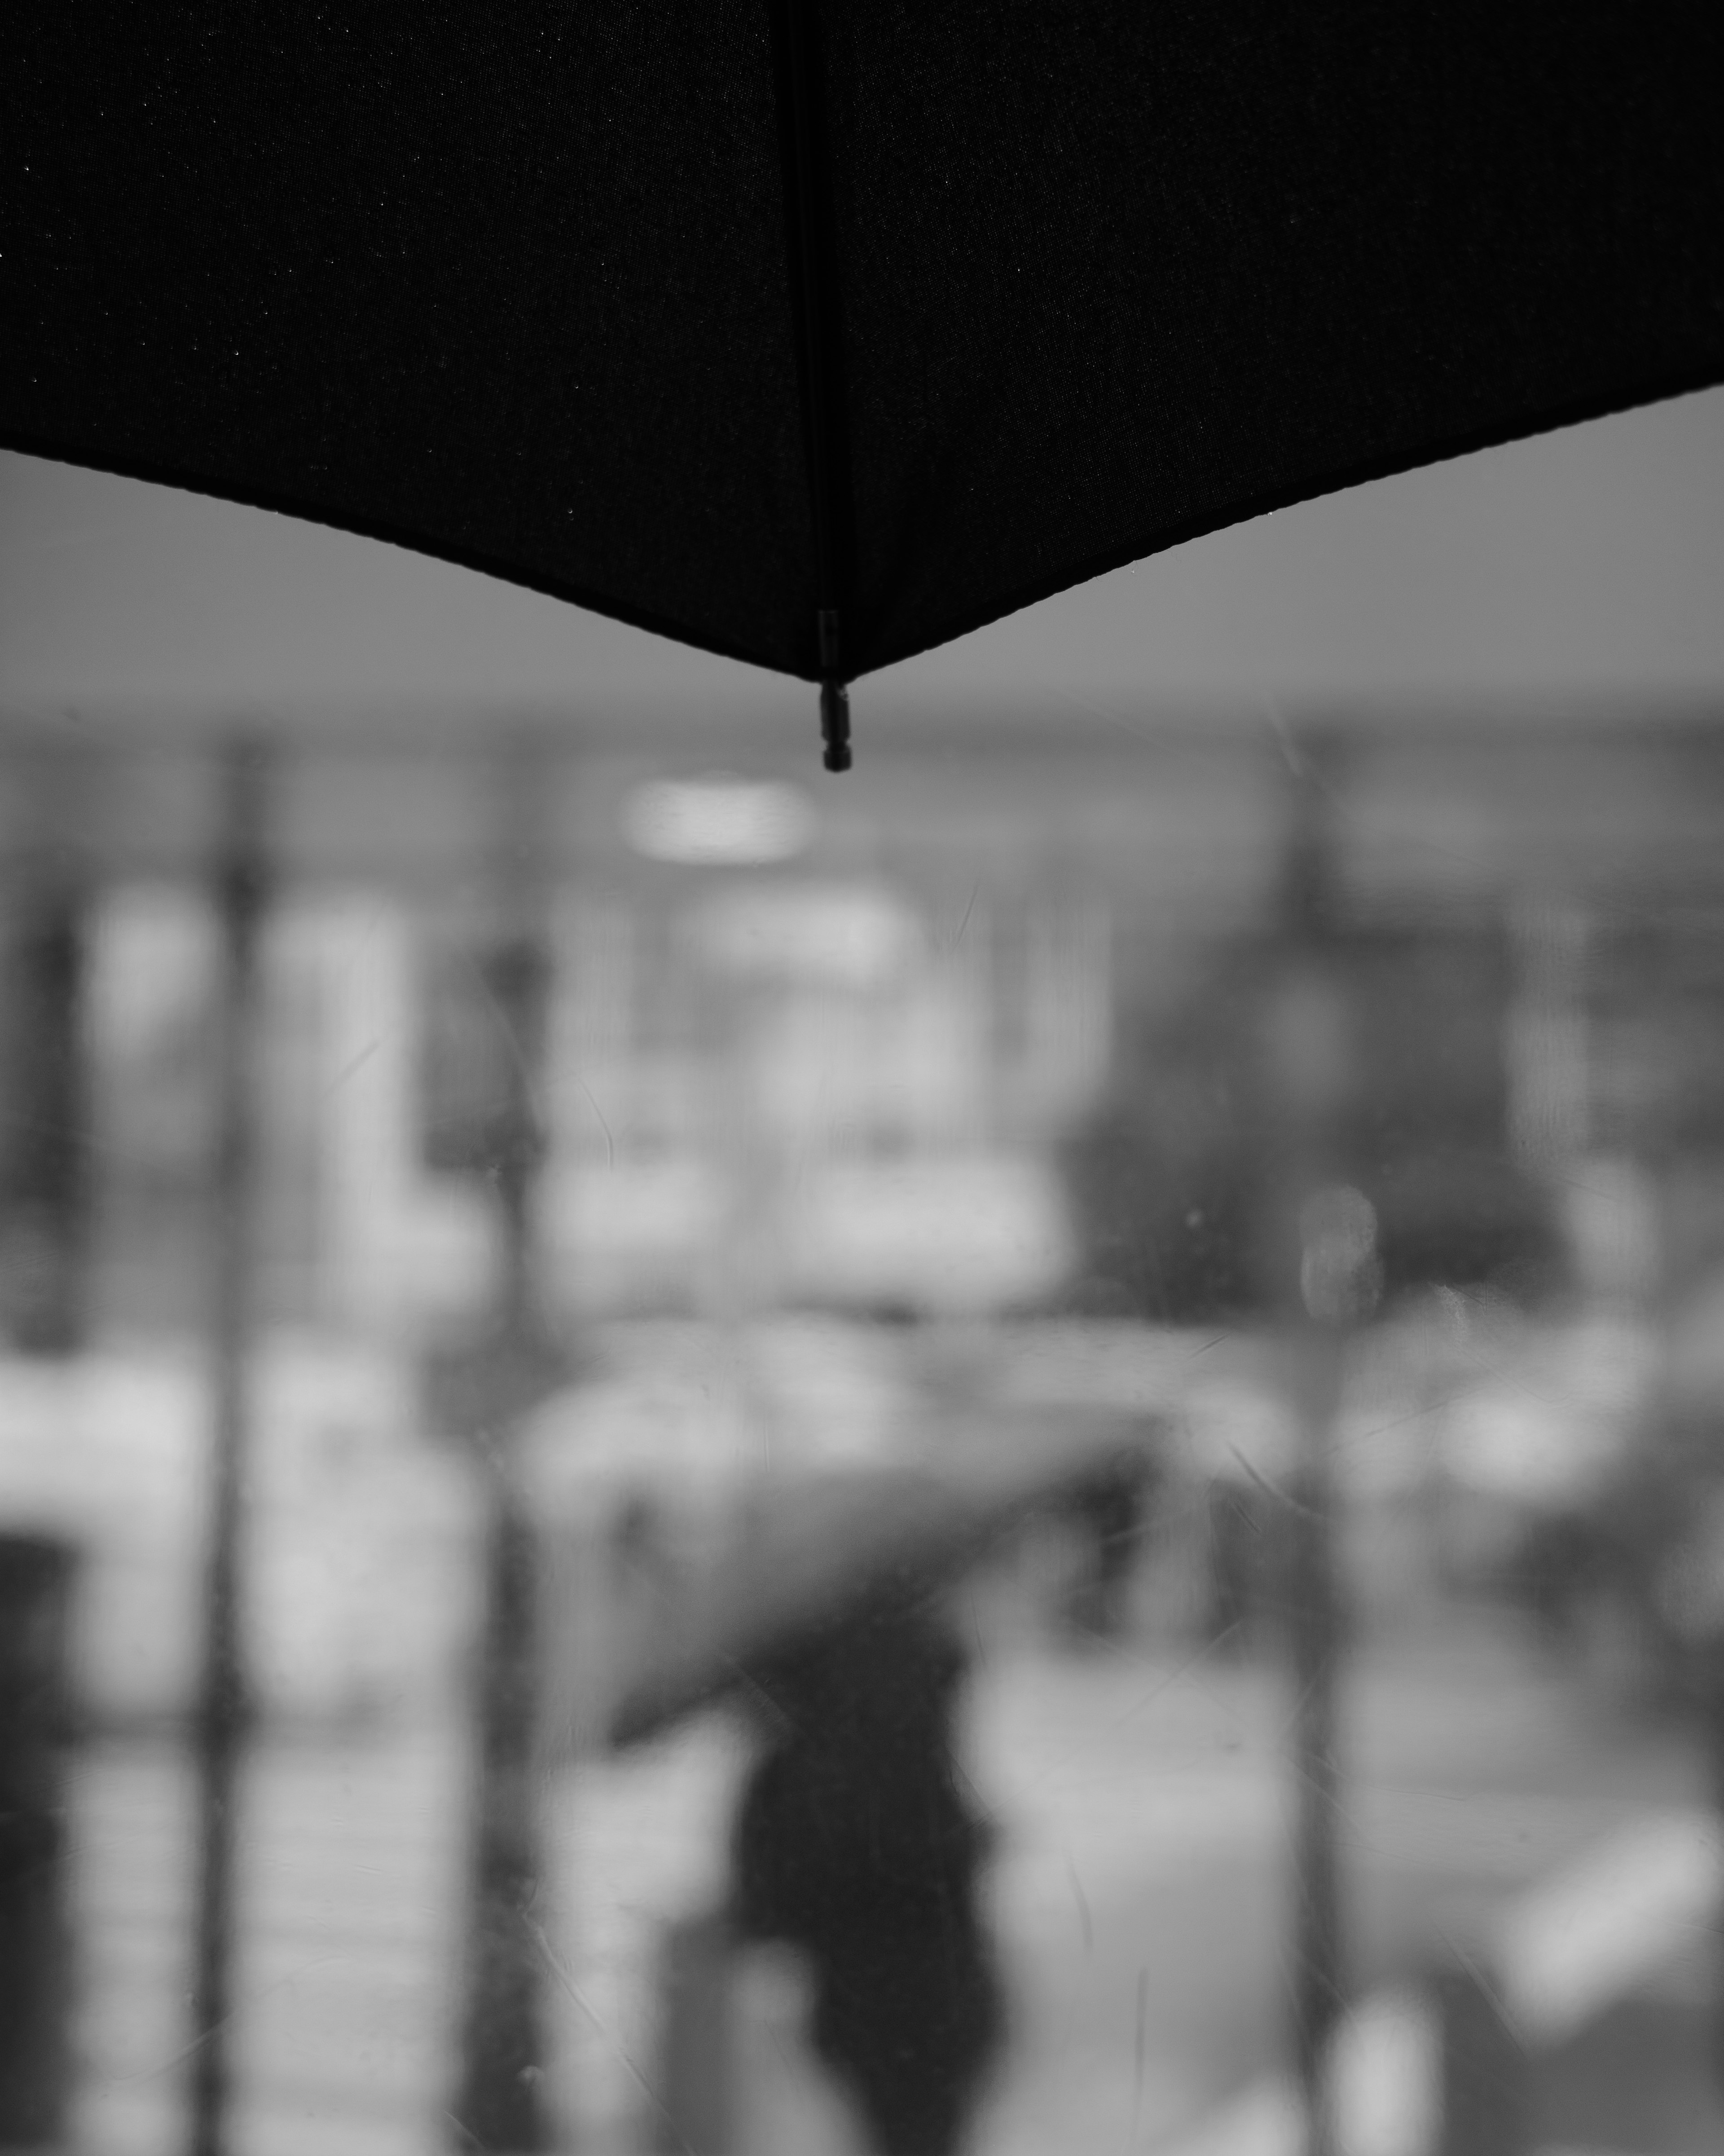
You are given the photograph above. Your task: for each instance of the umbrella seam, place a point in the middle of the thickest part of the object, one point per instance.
(812, 250)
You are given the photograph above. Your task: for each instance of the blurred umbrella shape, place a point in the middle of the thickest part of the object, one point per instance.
(814, 1553)
(817, 334)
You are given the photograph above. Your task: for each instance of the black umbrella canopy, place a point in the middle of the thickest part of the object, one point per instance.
(819, 334)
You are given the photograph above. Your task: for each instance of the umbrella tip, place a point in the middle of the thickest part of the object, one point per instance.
(835, 724)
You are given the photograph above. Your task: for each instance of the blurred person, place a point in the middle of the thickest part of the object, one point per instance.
(1113, 1511)
(1645, 1554)
(855, 1846)
(1565, 1567)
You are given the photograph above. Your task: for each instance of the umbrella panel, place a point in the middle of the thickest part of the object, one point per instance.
(520, 290)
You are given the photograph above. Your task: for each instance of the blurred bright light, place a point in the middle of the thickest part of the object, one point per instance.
(718, 821)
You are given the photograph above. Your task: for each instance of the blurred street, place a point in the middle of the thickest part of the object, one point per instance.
(1139, 1893)
(1146, 1887)
(1230, 1213)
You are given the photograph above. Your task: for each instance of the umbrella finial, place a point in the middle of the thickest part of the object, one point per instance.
(834, 694)
(835, 724)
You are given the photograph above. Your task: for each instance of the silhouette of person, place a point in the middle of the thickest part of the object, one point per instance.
(855, 1845)
(1112, 1509)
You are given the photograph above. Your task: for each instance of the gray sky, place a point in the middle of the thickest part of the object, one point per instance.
(1588, 559)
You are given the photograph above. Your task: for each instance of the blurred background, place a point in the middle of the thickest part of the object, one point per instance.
(479, 1108)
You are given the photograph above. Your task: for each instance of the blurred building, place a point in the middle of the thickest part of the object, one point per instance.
(823, 1042)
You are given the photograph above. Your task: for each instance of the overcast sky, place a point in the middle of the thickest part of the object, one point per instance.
(1590, 558)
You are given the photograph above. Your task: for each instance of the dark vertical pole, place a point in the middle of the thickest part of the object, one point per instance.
(1315, 1618)
(1320, 1250)
(224, 1705)
(36, 1580)
(45, 1218)
(696, 2112)
(1484, 2073)
(44, 1140)
(501, 2104)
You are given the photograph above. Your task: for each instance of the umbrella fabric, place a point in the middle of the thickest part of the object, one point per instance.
(817, 1553)
(718, 318)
